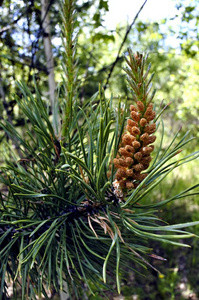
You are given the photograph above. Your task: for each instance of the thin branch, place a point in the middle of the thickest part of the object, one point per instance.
(26, 62)
(41, 30)
(122, 44)
(12, 24)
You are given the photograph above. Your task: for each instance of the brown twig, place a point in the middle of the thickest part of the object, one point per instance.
(122, 44)
(8, 27)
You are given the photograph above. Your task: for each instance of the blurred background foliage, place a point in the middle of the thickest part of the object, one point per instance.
(173, 52)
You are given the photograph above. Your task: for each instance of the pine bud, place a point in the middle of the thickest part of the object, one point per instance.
(150, 128)
(133, 108)
(136, 144)
(125, 153)
(144, 137)
(129, 173)
(116, 163)
(118, 175)
(121, 173)
(129, 185)
(131, 123)
(122, 163)
(138, 167)
(135, 131)
(143, 122)
(147, 150)
(135, 116)
(129, 161)
(149, 114)
(140, 106)
(129, 149)
(149, 140)
(139, 176)
(128, 139)
(138, 156)
(146, 159)
(122, 183)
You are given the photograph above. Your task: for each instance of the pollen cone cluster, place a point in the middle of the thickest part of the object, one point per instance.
(134, 154)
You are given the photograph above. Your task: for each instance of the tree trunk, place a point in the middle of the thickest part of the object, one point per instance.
(48, 52)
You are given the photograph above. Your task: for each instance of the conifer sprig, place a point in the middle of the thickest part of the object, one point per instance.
(69, 41)
(134, 154)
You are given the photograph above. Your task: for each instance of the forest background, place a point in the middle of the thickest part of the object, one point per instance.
(30, 46)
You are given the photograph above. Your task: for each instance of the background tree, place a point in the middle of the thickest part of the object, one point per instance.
(45, 20)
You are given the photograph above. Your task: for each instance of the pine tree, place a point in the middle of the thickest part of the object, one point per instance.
(72, 211)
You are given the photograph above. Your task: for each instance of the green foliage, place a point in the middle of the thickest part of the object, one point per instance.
(60, 218)
(173, 54)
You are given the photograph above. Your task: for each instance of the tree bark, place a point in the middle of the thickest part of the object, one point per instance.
(45, 20)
